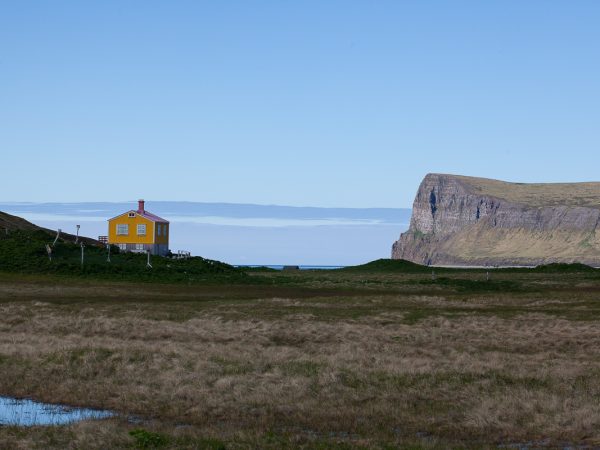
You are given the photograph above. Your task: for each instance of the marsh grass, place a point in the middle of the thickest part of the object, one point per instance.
(318, 361)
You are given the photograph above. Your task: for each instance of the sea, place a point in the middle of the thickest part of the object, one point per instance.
(281, 266)
(244, 234)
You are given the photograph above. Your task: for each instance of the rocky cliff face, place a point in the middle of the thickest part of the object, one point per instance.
(473, 221)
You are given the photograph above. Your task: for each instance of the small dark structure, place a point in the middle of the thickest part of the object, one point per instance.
(291, 267)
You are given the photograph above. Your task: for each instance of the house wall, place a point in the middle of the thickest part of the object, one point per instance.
(164, 237)
(132, 237)
(155, 249)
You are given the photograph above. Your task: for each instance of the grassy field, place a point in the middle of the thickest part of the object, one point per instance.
(383, 356)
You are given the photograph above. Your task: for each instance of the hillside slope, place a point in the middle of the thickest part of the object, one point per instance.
(461, 220)
(23, 251)
(10, 223)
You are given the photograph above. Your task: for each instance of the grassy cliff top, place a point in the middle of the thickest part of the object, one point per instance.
(535, 194)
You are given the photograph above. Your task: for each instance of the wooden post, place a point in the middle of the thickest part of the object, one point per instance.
(148, 265)
(56, 238)
(108, 248)
(82, 247)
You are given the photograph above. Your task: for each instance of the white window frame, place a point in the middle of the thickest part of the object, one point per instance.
(141, 226)
(122, 246)
(122, 229)
(139, 247)
(132, 214)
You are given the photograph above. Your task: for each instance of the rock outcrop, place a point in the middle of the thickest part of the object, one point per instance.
(465, 221)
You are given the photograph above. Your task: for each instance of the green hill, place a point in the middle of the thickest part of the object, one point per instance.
(388, 265)
(403, 266)
(10, 223)
(23, 250)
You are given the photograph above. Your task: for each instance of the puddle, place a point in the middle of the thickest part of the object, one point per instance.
(28, 413)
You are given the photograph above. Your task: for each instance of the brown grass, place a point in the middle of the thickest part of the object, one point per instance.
(371, 370)
(538, 194)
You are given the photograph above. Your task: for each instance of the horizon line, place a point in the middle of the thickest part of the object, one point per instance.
(10, 202)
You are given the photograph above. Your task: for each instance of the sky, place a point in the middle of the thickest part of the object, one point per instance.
(312, 103)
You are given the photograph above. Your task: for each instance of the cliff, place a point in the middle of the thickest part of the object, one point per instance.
(461, 220)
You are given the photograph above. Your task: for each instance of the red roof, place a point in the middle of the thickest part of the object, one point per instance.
(152, 217)
(146, 214)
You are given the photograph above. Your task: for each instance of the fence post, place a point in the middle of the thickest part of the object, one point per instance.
(56, 238)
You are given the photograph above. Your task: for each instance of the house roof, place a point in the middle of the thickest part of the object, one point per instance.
(145, 214)
(152, 217)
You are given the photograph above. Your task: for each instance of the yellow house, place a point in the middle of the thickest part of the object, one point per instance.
(139, 231)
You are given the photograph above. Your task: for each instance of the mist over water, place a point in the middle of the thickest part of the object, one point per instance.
(243, 233)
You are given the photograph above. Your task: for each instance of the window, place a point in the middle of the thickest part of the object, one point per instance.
(139, 246)
(165, 229)
(123, 246)
(141, 229)
(131, 214)
(158, 229)
(122, 229)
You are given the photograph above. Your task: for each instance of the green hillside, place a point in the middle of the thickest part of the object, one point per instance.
(403, 266)
(389, 265)
(24, 251)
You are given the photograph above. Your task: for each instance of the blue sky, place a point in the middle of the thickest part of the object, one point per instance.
(322, 103)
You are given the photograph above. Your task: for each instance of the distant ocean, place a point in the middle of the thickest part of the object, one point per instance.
(245, 234)
(301, 267)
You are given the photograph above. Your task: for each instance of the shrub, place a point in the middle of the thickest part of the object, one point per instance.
(148, 439)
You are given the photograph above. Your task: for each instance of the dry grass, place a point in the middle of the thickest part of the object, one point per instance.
(538, 194)
(372, 370)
